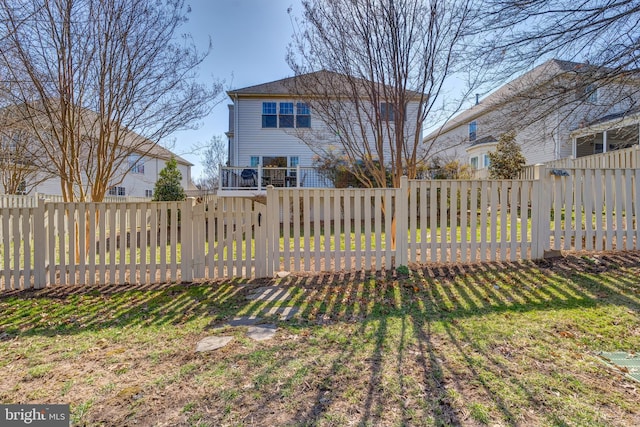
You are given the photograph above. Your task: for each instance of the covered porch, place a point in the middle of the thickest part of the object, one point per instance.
(610, 133)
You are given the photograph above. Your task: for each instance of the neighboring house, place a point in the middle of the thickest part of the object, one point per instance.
(272, 124)
(136, 176)
(141, 171)
(552, 109)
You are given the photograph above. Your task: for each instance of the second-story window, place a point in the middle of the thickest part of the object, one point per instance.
(269, 115)
(591, 92)
(286, 114)
(136, 165)
(386, 112)
(303, 115)
(283, 115)
(473, 131)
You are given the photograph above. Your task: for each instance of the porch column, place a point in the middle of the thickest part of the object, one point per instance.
(574, 147)
(604, 141)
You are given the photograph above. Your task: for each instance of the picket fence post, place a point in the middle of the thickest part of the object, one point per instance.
(261, 263)
(540, 212)
(272, 223)
(39, 249)
(186, 239)
(199, 233)
(402, 221)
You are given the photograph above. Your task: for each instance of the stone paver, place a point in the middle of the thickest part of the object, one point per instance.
(243, 321)
(212, 343)
(270, 293)
(262, 332)
(255, 329)
(286, 313)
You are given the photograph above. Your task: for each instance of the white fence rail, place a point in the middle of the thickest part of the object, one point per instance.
(31, 200)
(100, 243)
(319, 229)
(627, 158)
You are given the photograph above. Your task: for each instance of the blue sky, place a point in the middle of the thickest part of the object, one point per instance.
(250, 39)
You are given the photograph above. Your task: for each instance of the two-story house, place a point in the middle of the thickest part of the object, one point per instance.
(559, 109)
(281, 125)
(139, 160)
(136, 177)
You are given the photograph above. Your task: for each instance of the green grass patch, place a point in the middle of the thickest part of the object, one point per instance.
(485, 344)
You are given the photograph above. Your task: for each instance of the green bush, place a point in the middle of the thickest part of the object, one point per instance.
(168, 187)
(507, 161)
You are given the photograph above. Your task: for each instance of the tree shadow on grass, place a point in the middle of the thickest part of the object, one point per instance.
(372, 347)
(437, 298)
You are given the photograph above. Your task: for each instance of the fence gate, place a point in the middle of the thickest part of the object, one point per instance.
(233, 239)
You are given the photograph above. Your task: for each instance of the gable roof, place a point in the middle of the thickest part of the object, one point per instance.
(290, 85)
(136, 142)
(149, 148)
(539, 75)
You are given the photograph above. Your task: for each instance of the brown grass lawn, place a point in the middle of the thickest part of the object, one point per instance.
(512, 344)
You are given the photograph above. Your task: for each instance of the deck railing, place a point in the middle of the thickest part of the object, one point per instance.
(260, 177)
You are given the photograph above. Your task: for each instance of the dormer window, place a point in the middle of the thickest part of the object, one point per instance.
(473, 131)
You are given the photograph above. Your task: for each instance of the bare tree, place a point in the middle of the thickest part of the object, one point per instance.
(603, 33)
(386, 63)
(596, 39)
(18, 172)
(213, 155)
(98, 81)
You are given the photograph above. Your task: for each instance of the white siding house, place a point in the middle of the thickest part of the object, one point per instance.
(271, 125)
(137, 166)
(138, 175)
(543, 107)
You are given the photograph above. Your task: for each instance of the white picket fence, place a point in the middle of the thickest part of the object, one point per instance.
(435, 221)
(102, 243)
(31, 200)
(319, 229)
(627, 158)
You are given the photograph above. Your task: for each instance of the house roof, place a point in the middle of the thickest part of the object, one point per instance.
(485, 140)
(157, 151)
(538, 75)
(608, 122)
(615, 116)
(291, 85)
(139, 143)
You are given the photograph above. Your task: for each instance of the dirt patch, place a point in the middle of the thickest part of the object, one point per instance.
(487, 343)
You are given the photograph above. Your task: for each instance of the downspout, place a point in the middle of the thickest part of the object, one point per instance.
(556, 148)
(236, 134)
